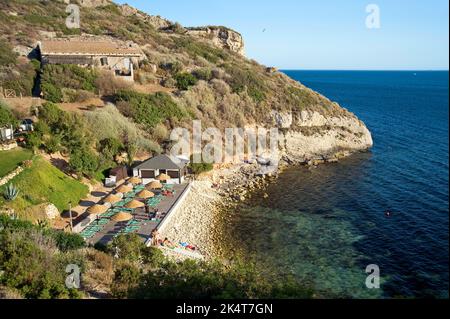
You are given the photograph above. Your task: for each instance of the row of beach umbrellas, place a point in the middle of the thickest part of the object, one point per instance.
(160, 178)
(126, 188)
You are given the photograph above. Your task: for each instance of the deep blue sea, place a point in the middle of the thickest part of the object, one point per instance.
(326, 225)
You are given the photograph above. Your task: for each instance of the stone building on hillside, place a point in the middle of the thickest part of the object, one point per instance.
(120, 58)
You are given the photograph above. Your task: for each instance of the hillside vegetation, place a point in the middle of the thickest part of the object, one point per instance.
(182, 78)
(11, 159)
(33, 260)
(43, 183)
(200, 81)
(218, 86)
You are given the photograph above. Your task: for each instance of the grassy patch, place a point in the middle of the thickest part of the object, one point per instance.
(42, 183)
(9, 160)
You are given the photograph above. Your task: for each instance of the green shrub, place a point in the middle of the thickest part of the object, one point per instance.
(160, 132)
(206, 280)
(108, 122)
(20, 79)
(67, 241)
(185, 80)
(128, 247)
(169, 83)
(172, 67)
(150, 110)
(68, 76)
(52, 93)
(126, 278)
(246, 79)
(7, 56)
(69, 128)
(84, 161)
(31, 261)
(110, 147)
(7, 118)
(196, 48)
(198, 168)
(34, 141)
(50, 114)
(53, 144)
(203, 74)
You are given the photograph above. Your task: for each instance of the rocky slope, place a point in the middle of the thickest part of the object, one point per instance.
(321, 139)
(232, 90)
(221, 37)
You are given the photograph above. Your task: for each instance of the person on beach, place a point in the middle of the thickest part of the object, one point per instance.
(155, 236)
(168, 243)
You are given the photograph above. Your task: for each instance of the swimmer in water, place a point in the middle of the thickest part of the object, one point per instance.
(388, 213)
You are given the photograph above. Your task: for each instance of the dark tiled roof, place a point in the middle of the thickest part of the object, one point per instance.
(162, 162)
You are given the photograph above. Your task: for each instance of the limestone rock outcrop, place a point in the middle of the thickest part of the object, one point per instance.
(93, 3)
(318, 136)
(221, 37)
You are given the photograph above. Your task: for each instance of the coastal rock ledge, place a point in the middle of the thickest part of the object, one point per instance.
(315, 138)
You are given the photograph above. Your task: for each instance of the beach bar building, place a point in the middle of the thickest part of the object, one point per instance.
(172, 166)
(119, 58)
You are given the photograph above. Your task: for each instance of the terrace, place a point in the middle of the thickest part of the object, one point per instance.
(132, 208)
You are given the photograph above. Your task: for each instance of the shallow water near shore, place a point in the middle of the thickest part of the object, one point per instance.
(326, 224)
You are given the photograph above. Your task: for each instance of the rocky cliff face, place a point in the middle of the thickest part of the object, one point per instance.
(221, 37)
(317, 138)
(156, 21)
(92, 3)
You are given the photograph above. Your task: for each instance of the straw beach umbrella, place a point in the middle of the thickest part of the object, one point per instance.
(122, 217)
(97, 209)
(135, 181)
(112, 199)
(145, 194)
(124, 188)
(134, 204)
(154, 185)
(163, 178)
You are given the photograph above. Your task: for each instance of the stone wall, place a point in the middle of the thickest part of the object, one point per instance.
(5, 179)
(8, 146)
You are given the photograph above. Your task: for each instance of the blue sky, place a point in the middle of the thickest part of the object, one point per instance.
(324, 34)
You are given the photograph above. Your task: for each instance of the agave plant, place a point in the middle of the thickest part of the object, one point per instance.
(11, 192)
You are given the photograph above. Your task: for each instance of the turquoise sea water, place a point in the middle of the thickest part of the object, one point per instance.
(326, 225)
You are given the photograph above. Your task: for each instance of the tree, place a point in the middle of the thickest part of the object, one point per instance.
(52, 93)
(128, 247)
(7, 118)
(126, 278)
(34, 141)
(50, 113)
(131, 152)
(83, 161)
(110, 147)
(67, 241)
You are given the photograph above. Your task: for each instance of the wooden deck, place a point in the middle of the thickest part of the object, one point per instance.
(146, 227)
